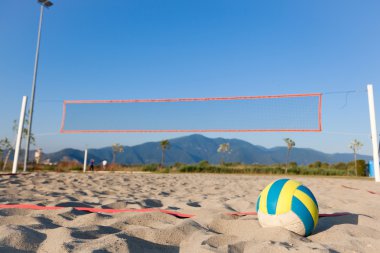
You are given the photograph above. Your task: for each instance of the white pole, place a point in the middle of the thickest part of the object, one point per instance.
(29, 133)
(85, 160)
(372, 117)
(19, 134)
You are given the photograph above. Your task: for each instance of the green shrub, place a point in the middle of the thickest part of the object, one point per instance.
(164, 170)
(231, 164)
(325, 165)
(361, 167)
(177, 165)
(294, 170)
(203, 163)
(65, 166)
(323, 169)
(150, 167)
(340, 166)
(187, 168)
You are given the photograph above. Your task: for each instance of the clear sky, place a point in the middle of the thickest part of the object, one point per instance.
(121, 49)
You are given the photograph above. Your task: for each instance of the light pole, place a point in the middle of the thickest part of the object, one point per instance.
(43, 3)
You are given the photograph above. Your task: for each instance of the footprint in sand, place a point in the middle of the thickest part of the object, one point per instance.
(165, 194)
(73, 204)
(152, 203)
(93, 232)
(193, 204)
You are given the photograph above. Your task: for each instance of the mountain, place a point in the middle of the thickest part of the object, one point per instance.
(195, 148)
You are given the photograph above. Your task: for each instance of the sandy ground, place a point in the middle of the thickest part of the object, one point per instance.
(207, 196)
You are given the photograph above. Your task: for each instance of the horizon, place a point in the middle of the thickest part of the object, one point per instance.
(186, 136)
(152, 49)
(196, 148)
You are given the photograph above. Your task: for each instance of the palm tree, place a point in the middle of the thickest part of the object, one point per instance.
(355, 146)
(290, 143)
(224, 148)
(116, 148)
(165, 144)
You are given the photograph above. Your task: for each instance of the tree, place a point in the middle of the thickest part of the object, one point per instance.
(116, 148)
(5, 144)
(355, 146)
(24, 130)
(224, 148)
(290, 144)
(1, 154)
(165, 144)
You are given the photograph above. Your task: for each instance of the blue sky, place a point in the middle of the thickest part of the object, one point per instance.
(196, 48)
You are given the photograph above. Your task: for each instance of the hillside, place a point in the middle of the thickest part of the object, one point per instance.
(195, 148)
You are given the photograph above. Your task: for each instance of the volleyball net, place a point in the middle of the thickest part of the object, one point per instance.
(278, 113)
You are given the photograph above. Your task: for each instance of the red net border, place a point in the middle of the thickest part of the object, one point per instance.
(66, 102)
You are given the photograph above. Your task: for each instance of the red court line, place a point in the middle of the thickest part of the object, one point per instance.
(145, 210)
(352, 188)
(242, 213)
(349, 187)
(372, 192)
(28, 206)
(96, 210)
(321, 215)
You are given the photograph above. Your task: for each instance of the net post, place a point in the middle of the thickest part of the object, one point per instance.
(320, 113)
(85, 160)
(19, 134)
(372, 117)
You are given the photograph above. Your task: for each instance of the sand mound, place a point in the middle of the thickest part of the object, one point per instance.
(14, 237)
(208, 197)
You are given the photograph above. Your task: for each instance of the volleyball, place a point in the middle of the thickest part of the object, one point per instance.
(289, 204)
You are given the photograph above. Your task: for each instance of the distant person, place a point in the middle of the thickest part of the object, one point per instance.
(104, 164)
(37, 155)
(92, 165)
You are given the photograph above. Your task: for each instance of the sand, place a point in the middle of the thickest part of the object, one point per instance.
(209, 197)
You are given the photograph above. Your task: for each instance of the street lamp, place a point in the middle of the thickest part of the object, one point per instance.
(47, 4)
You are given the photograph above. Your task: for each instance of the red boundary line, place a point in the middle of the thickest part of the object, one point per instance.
(372, 192)
(321, 215)
(146, 210)
(65, 102)
(352, 188)
(96, 210)
(349, 187)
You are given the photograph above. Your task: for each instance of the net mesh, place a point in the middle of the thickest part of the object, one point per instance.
(299, 112)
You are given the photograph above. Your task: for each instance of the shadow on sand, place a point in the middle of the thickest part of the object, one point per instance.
(326, 223)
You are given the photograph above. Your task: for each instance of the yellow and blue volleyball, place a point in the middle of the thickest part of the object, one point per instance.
(288, 204)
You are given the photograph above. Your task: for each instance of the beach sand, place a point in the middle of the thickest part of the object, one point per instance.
(208, 196)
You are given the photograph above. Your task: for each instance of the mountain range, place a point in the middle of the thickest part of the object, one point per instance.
(195, 148)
